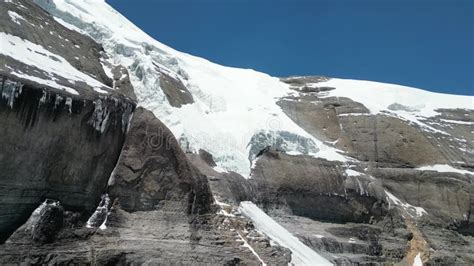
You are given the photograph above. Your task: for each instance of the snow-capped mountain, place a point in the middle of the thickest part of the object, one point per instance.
(228, 106)
(349, 171)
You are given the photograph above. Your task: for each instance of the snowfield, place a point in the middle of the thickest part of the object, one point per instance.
(231, 105)
(35, 55)
(301, 254)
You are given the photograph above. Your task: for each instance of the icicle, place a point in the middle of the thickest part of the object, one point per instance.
(11, 91)
(100, 116)
(58, 101)
(69, 104)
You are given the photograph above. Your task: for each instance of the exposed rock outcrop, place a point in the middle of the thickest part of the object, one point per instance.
(162, 212)
(88, 178)
(36, 26)
(43, 225)
(307, 186)
(153, 173)
(55, 146)
(176, 93)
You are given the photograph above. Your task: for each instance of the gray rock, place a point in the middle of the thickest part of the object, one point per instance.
(153, 173)
(40, 157)
(121, 82)
(168, 207)
(43, 224)
(174, 89)
(145, 228)
(40, 28)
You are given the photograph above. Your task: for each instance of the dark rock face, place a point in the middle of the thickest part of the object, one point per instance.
(344, 218)
(367, 210)
(299, 81)
(121, 82)
(231, 187)
(352, 218)
(161, 214)
(43, 225)
(154, 174)
(307, 186)
(49, 222)
(175, 91)
(153, 237)
(55, 147)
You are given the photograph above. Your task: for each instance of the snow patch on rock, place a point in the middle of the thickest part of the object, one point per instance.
(301, 254)
(231, 105)
(99, 217)
(409, 103)
(412, 210)
(444, 168)
(15, 17)
(32, 54)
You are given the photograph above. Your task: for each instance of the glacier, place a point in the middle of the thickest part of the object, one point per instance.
(231, 105)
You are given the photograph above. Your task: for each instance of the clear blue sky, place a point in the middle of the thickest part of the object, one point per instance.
(427, 44)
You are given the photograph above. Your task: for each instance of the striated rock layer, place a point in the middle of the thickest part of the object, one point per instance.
(162, 211)
(55, 146)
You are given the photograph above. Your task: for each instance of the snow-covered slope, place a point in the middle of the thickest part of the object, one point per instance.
(408, 103)
(231, 106)
(36, 55)
(301, 254)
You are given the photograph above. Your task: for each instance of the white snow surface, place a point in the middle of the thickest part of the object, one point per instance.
(350, 172)
(457, 122)
(230, 104)
(418, 261)
(35, 55)
(301, 254)
(444, 168)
